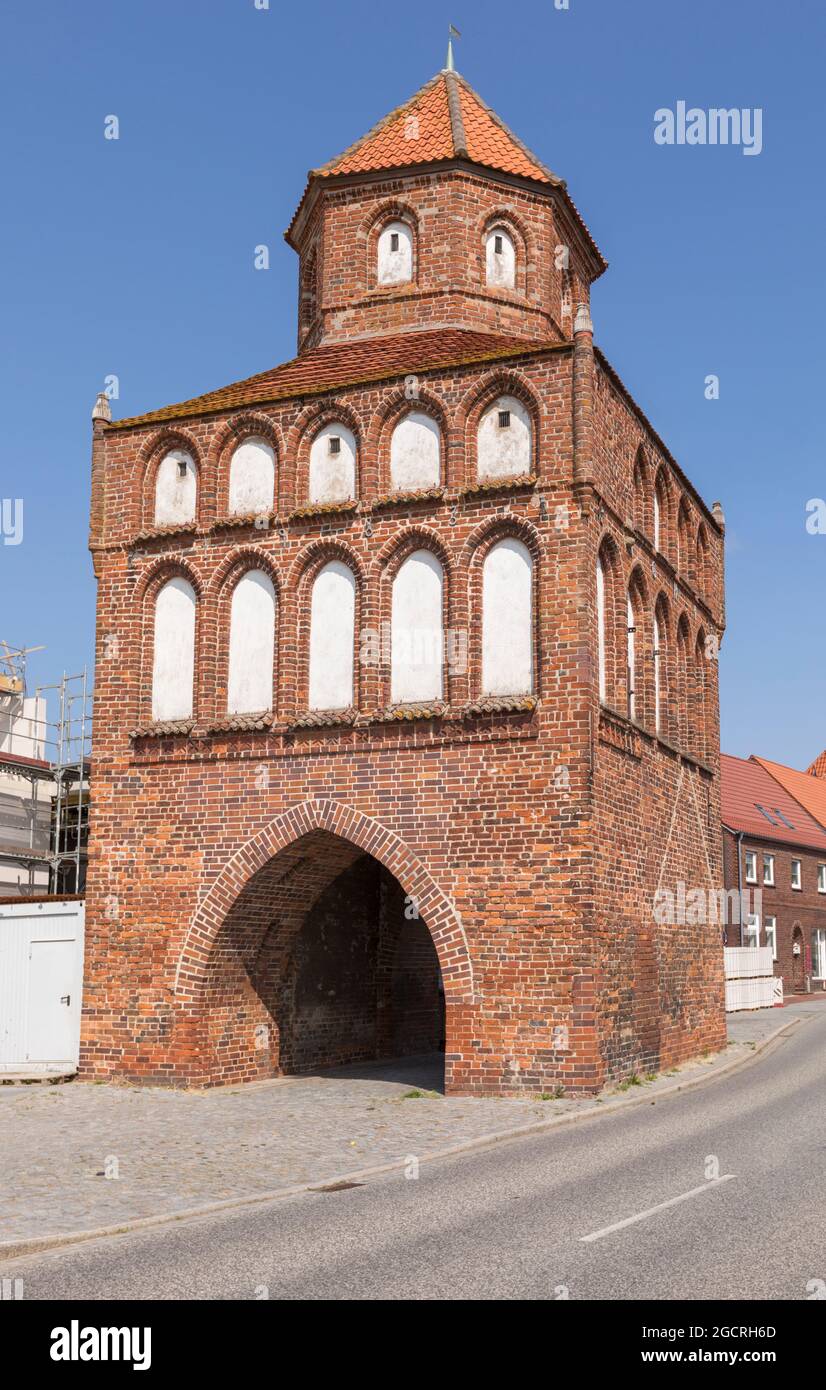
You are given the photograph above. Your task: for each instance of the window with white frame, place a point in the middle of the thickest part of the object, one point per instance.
(751, 866)
(770, 927)
(819, 953)
(751, 930)
(821, 878)
(797, 874)
(768, 870)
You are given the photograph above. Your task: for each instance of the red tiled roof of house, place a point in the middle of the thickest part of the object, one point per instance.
(746, 785)
(330, 367)
(818, 767)
(445, 120)
(808, 790)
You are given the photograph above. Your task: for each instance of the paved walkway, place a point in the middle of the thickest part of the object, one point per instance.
(176, 1150)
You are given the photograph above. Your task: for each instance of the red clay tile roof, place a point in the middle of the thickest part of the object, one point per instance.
(818, 767)
(747, 785)
(331, 367)
(809, 791)
(446, 119)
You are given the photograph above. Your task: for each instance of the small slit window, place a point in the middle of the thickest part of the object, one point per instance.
(394, 241)
(335, 444)
(497, 245)
(504, 419)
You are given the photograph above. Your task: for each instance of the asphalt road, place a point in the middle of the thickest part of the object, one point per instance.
(508, 1222)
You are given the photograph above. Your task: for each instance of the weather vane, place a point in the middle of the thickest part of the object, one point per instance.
(452, 33)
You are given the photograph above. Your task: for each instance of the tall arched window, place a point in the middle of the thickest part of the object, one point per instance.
(701, 562)
(500, 258)
(176, 488)
(395, 254)
(332, 637)
(415, 449)
(631, 656)
(683, 681)
(174, 656)
(333, 465)
(504, 440)
(661, 638)
(601, 644)
(700, 701)
(507, 619)
(660, 514)
(251, 644)
(640, 493)
(251, 478)
(417, 638)
(685, 560)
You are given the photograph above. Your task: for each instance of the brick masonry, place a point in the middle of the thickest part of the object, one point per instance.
(529, 841)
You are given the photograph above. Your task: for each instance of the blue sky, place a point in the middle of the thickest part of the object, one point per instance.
(135, 257)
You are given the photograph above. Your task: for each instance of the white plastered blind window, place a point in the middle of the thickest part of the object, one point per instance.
(631, 658)
(251, 644)
(173, 669)
(332, 637)
(395, 254)
(504, 440)
(417, 636)
(507, 619)
(601, 629)
(333, 465)
(176, 489)
(415, 453)
(500, 259)
(252, 478)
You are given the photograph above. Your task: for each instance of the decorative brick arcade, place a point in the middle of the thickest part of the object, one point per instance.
(308, 847)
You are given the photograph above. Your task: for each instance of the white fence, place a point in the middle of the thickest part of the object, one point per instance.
(750, 979)
(41, 978)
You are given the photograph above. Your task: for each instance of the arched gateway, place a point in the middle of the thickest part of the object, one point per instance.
(426, 642)
(323, 940)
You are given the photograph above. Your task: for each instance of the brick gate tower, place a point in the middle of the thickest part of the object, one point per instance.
(406, 696)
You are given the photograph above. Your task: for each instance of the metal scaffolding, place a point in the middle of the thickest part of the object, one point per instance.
(58, 751)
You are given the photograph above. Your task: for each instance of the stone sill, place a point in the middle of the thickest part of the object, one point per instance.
(323, 509)
(260, 521)
(403, 499)
(164, 728)
(259, 722)
(156, 533)
(522, 480)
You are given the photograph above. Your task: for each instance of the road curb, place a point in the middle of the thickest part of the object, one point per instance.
(15, 1249)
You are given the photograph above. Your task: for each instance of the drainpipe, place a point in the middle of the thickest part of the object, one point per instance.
(740, 834)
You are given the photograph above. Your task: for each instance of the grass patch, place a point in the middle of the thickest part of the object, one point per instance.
(558, 1093)
(421, 1095)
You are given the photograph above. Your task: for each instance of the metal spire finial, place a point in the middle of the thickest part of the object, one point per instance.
(452, 33)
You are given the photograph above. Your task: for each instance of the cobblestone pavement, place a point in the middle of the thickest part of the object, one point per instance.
(176, 1150)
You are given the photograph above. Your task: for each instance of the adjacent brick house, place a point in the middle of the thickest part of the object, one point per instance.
(774, 848)
(406, 696)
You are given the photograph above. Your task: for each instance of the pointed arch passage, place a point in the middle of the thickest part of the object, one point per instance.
(173, 667)
(507, 619)
(251, 644)
(323, 938)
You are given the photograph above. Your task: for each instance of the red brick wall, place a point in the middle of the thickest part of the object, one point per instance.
(532, 840)
(339, 297)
